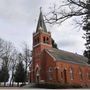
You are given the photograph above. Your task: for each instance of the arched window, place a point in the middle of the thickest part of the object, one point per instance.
(57, 72)
(44, 39)
(61, 75)
(71, 74)
(50, 70)
(38, 40)
(65, 75)
(80, 74)
(35, 41)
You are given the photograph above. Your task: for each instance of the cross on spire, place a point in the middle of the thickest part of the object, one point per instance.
(40, 9)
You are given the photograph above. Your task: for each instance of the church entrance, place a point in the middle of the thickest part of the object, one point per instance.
(65, 76)
(37, 79)
(37, 76)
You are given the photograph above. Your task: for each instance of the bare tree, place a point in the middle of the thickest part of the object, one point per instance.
(13, 63)
(2, 48)
(6, 51)
(27, 57)
(70, 9)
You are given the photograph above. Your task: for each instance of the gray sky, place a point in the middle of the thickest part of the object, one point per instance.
(18, 20)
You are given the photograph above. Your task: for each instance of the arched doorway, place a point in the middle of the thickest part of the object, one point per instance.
(65, 76)
(37, 75)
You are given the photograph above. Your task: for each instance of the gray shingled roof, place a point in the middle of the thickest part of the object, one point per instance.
(62, 55)
(41, 23)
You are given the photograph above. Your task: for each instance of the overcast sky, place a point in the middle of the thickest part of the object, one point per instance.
(18, 20)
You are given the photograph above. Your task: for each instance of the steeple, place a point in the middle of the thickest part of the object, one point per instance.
(41, 24)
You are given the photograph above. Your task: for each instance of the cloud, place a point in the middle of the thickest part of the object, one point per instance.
(74, 45)
(68, 38)
(18, 10)
(18, 20)
(66, 43)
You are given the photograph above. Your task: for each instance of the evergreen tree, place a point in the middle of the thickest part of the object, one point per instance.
(87, 30)
(20, 74)
(4, 73)
(1, 76)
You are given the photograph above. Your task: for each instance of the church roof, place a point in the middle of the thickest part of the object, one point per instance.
(41, 24)
(61, 55)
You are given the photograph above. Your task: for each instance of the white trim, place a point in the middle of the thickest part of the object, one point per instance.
(57, 68)
(42, 44)
(50, 55)
(34, 34)
(47, 33)
(37, 66)
(65, 68)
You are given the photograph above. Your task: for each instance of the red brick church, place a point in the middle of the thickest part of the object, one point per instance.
(53, 65)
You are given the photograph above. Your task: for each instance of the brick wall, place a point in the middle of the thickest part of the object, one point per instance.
(79, 71)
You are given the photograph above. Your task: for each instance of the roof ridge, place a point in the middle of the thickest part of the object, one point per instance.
(67, 52)
(67, 56)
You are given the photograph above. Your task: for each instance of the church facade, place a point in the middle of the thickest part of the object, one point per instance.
(53, 65)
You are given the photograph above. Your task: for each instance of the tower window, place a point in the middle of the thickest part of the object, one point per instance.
(44, 39)
(36, 41)
(47, 40)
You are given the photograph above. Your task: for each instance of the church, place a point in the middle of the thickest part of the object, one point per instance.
(52, 65)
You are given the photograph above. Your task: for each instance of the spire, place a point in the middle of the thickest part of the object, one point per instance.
(41, 24)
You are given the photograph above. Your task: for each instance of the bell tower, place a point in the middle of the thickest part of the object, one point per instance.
(41, 40)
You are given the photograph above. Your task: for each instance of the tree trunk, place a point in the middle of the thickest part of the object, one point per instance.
(17, 84)
(4, 84)
(10, 81)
